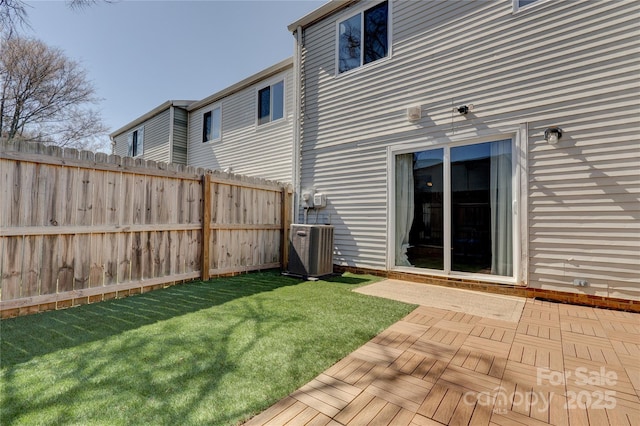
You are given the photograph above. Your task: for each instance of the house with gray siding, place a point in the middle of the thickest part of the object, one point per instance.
(246, 128)
(159, 135)
(484, 142)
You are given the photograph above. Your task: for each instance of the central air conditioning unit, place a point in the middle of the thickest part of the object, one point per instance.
(311, 250)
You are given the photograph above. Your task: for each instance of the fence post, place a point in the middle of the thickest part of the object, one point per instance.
(206, 225)
(284, 232)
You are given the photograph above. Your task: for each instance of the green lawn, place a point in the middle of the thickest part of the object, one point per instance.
(212, 352)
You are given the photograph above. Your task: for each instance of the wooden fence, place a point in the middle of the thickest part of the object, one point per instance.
(78, 227)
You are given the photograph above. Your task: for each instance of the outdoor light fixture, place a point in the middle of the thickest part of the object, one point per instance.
(553, 135)
(464, 109)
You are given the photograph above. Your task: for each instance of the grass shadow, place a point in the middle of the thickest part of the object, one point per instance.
(201, 353)
(24, 338)
(350, 279)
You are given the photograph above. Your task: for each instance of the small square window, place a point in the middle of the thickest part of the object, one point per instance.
(363, 38)
(271, 103)
(211, 125)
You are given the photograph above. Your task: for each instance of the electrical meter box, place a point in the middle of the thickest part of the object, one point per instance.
(319, 201)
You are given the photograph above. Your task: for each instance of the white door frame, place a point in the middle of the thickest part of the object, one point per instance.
(518, 136)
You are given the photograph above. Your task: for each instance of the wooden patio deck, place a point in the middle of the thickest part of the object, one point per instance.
(560, 365)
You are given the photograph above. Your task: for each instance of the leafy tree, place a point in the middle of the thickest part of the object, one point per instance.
(46, 96)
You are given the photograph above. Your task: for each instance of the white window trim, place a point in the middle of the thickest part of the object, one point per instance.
(361, 10)
(140, 130)
(265, 84)
(518, 135)
(202, 113)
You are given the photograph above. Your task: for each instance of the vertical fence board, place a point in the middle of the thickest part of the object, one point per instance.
(147, 239)
(195, 201)
(181, 205)
(172, 201)
(53, 203)
(69, 199)
(138, 194)
(29, 198)
(98, 205)
(125, 257)
(49, 270)
(136, 256)
(127, 199)
(183, 252)
(31, 267)
(148, 200)
(65, 263)
(111, 196)
(161, 262)
(82, 261)
(11, 268)
(173, 255)
(96, 270)
(85, 196)
(206, 227)
(42, 189)
(2, 243)
(110, 259)
(214, 254)
(16, 195)
(194, 251)
(6, 192)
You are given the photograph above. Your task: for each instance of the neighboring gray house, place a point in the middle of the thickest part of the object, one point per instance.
(159, 135)
(246, 128)
(485, 141)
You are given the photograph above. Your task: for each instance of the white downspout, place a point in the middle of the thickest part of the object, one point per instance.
(297, 123)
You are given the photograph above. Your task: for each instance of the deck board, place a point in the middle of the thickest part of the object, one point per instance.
(437, 367)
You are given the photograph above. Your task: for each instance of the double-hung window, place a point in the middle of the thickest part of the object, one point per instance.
(211, 125)
(135, 142)
(363, 38)
(271, 103)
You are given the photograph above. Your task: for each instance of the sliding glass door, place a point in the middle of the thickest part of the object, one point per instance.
(453, 208)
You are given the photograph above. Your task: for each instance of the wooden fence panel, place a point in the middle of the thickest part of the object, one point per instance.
(245, 226)
(78, 227)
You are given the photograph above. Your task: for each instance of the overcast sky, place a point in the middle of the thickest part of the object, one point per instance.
(140, 54)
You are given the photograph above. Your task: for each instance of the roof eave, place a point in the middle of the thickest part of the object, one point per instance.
(320, 13)
(264, 74)
(150, 114)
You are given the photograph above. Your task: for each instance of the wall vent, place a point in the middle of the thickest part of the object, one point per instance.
(311, 250)
(414, 113)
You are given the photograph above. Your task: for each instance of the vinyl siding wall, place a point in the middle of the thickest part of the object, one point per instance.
(260, 151)
(156, 138)
(570, 64)
(180, 120)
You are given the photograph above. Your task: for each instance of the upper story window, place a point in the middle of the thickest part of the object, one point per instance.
(363, 37)
(211, 125)
(271, 103)
(135, 142)
(519, 4)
